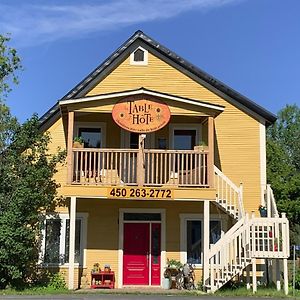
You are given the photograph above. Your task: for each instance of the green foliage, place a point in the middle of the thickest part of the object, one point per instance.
(174, 263)
(283, 164)
(27, 191)
(57, 282)
(9, 64)
(297, 280)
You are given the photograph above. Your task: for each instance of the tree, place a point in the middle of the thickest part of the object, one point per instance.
(27, 187)
(283, 164)
(10, 63)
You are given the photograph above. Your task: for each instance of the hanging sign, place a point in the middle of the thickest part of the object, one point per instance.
(141, 114)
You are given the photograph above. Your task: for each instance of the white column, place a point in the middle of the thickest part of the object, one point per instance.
(206, 218)
(278, 286)
(254, 280)
(285, 276)
(72, 242)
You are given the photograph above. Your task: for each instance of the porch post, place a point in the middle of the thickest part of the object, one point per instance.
(206, 218)
(278, 285)
(254, 279)
(70, 146)
(72, 242)
(140, 161)
(211, 154)
(285, 276)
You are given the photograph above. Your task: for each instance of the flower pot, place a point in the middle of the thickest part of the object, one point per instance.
(78, 145)
(166, 283)
(263, 213)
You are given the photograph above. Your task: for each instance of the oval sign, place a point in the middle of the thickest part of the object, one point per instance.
(141, 114)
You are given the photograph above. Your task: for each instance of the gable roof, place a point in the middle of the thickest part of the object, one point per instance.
(210, 80)
(143, 91)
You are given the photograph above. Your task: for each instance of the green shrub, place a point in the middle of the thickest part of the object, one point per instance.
(57, 282)
(297, 280)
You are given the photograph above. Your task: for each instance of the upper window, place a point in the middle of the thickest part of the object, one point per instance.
(91, 136)
(139, 57)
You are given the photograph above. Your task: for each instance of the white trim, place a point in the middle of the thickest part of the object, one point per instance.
(101, 125)
(263, 162)
(162, 212)
(138, 92)
(83, 239)
(139, 63)
(184, 126)
(183, 237)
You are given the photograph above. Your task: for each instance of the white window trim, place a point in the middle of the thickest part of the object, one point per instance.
(183, 236)
(184, 126)
(139, 63)
(101, 125)
(83, 239)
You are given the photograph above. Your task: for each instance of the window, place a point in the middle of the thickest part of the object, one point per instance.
(193, 241)
(92, 137)
(56, 236)
(139, 57)
(191, 237)
(92, 133)
(184, 136)
(184, 139)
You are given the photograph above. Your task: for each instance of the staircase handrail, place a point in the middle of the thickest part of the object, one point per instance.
(238, 190)
(271, 202)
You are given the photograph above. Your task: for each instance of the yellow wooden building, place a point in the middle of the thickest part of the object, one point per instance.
(178, 182)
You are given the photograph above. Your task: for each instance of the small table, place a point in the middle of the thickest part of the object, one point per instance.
(103, 280)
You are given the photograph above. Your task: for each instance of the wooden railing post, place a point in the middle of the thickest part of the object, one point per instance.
(70, 147)
(140, 161)
(211, 148)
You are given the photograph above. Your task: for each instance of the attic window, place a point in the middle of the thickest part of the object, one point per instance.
(139, 57)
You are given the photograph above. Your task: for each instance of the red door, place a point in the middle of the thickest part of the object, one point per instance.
(155, 254)
(136, 254)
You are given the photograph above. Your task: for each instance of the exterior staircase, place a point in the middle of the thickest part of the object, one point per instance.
(250, 238)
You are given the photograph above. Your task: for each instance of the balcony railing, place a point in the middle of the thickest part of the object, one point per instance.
(131, 167)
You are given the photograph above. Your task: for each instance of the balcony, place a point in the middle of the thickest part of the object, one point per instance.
(146, 167)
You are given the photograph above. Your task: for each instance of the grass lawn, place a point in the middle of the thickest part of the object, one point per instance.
(261, 292)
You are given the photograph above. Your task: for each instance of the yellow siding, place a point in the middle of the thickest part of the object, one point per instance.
(237, 133)
(103, 227)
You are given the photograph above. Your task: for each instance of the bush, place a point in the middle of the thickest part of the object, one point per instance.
(297, 280)
(57, 282)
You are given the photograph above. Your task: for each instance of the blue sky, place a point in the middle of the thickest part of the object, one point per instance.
(251, 45)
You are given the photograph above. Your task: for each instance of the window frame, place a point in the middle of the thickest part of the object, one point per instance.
(183, 233)
(184, 126)
(100, 125)
(139, 63)
(62, 239)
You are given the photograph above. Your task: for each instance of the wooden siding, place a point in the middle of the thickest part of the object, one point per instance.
(103, 228)
(237, 133)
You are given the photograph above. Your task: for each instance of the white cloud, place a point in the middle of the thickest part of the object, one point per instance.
(32, 24)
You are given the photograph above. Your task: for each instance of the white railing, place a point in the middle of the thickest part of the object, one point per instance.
(270, 202)
(228, 195)
(247, 239)
(150, 167)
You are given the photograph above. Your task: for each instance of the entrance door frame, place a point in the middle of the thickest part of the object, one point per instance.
(121, 238)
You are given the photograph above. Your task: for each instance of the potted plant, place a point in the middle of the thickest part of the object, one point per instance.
(78, 142)
(201, 147)
(96, 268)
(263, 211)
